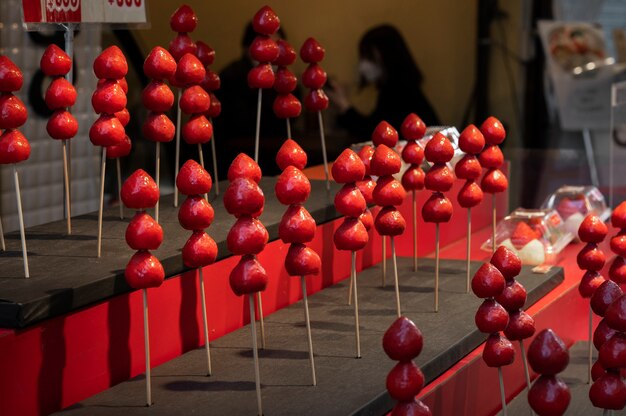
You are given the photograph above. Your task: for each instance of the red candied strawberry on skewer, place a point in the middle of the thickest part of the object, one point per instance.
(351, 235)
(143, 234)
(439, 179)
(286, 105)
(413, 129)
(14, 147)
(617, 271)
(403, 342)
(366, 186)
(196, 214)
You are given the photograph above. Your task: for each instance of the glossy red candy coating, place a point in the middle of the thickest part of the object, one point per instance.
(200, 250)
(366, 186)
(617, 271)
(491, 157)
(263, 49)
(302, 261)
(107, 131)
(139, 191)
(597, 371)
(108, 98)
(14, 147)
(413, 153)
(194, 100)
(618, 244)
(521, 326)
(62, 125)
(513, 296)
(265, 21)
(349, 201)
(549, 396)
(60, 94)
(410, 408)
(367, 219)
(507, 262)
(468, 168)
(158, 128)
(590, 281)
(121, 150)
(159, 64)
(437, 209)
(412, 128)
(189, 70)
(591, 258)
(547, 353)
(615, 314)
(384, 133)
(286, 53)
(144, 271)
(314, 77)
(311, 51)
(183, 19)
(291, 154)
(181, 45)
(248, 276)
(498, 351)
(351, 235)
(143, 232)
(487, 282)
(13, 113)
(413, 178)
(287, 106)
(243, 166)
(471, 140)
(493, 130)
(403, 340)
(195, 213)
(123, 116)
(285, 81)
(390, 222)
(494, 182)
(243, 197)
(439, 149)
(605, 294)
(348, 167)
(247, 236)
(618, 217)
(491, 317)
(216, 107)
(205, 53)
(110, 64)
(405, 381)
(385, 161)
(602, 334)
(11, 78)
(439, 178)
(613, 352)
(592, 229)
(470, 195)
(55, 62)
(296, 225)
(261, 76)
(197, 130)
(211, 81)
(388, 192)
(316, 100)
(292, 186)
(608, 392)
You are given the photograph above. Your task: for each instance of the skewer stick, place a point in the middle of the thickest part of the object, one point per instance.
(69, 50)
(308, 329)
(258, 126)
(157, 174)
(216, 181)
(2, 243)
(502, 395)
(384, 260)
(395, 275)
(437, 267)
(102, 170)
(201, 157)
(324, 155)
(493, 224)
(255, 353)
(146, 338)
(206, 325)
(20, 216)
(590, 343)
(526, 372)
(350, 288)
(469, 246)
(258, 298)
(66, 182)
(414, 231)
(288, 128)
(119, 187)
(177, 155)
(356, 307)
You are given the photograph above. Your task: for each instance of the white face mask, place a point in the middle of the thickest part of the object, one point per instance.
(370, 71)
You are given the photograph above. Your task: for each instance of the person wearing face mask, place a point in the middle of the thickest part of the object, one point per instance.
(386, 63)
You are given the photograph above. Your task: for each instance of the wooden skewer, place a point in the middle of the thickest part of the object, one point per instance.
(414, 231)
(502, 395)
(437, 267)
(201, 157)
(493, 224)
(395, 276)
(20, 215)
(2, 243)
(350, 288)
(66, 182)
(590, 343)
(469, 246)
(526, 372)
(119, 187)
(146, 337)
(255, 353)
(157, 174)
(205, 319)
(324, 154)
(308, 329)
(258, 126)
(102, 172)
(356, 307)
(262, 324)
(384, 260)
(288, 128)
(177, 155)
(216, 181)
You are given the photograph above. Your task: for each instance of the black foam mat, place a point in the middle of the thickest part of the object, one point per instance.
(346, 386)
(67, 275)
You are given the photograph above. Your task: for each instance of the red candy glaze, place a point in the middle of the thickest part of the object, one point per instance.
(11, 78)
(159, 64)
(589, 283)
(349, 201)
(437, 209)
(285, 81)
(439, 149)
(296, 225)
(291, 154)
(521, 326)
(302, 261)
(205, 53)
(14, 147)
(468, 168)
(265, 21)
(247, 236)
(351, 235)
(189, 70)
(491, 317)
(613, 352)
(413, 178)
(385, 161)
(200, 250)
(261, 76)
(390, 222)
(55, 62)
(263, 49)
(494, 182)
(592, 229)
(488, 281)
(411, 408)
(615, 314)
(618, 217)
(195, 213)
(293, 187)
(439, 178)
(498, 351)
(144, 271)
(491, 157)
(13, 113)
(192, 179)
(348, 167)
(286, 53)
(243, 166)
(158, 128)
(140, 191)
(194, 100)
(107, 131)
(248, 276)
(179, 46)
(413, 128)
(108, 98)
(617, 271)
(513, 296)
(602, 334)
(493, 130)
(618, 244)
(110, 64)
(311, 51)
(471, 140)
(316, 100)
(143, 232)
(549, 396)
(314, 77)
(197, 130)
(183, 19)
(63, 126)
(470, 195)
(287, 106)
(384, 133)
(244, 197)
(388, 191)
(405, 381)
(591, 258)
(604, 295)
(506, 262)
(547, 353)
(60, 94)
(403, 340)
(413, 153)
(608, 392)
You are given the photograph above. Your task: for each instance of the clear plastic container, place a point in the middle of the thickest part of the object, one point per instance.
(452, 134)
(574, 203)
(537, 236)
